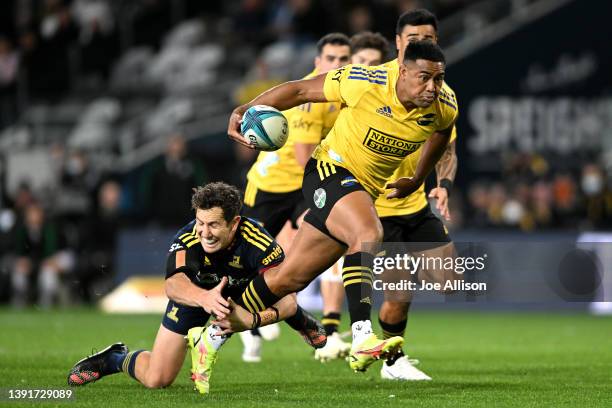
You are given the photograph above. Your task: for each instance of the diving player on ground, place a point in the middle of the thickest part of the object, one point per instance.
(215, 256)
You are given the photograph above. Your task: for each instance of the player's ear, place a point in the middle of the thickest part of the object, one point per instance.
(234, 222)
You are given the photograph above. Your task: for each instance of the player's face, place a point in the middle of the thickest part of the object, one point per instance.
(214, 232)
(420, 82)
(332, 56)
(414, 33)
(367, 56)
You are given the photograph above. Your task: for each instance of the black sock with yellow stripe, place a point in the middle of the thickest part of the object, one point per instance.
(390, 330)
(330, 322)
(357, 280)
(129, 363)
(296, 322)
(258, 296)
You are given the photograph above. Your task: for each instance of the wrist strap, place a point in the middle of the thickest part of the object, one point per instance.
(277, 313)
(447, 184)
(256, 321)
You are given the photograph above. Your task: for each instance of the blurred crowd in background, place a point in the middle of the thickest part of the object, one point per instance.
(111, 111)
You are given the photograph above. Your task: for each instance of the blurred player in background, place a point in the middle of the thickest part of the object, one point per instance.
(212, 258)
(273, 194)
(367, 49)
(350, 169)
(410, 219)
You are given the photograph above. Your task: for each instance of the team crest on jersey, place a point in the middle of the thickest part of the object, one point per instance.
(385, 111)
(348, 181)
(426, 120)
(236, 262)
(319, 197)
(206, 261)
(388, 145)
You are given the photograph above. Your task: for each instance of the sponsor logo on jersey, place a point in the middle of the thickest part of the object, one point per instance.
(274, 255)
(348, 181)
(299, 123)
(426, 120)
(236, 262)
(175, 247)
(388, 145)
(319, 197)
(385, 111)
(338, 74)
(206, 261)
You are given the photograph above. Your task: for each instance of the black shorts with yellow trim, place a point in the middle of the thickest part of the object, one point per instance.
(180, 318)
(420, 227)
(323, 186)
(272, 210)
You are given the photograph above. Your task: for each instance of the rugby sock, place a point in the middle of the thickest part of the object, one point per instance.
(257, 296)
(129, 363)
(357, 279)
(330, 322)
(297, 320)
(114, 361)
(390, 330)
(215, 340)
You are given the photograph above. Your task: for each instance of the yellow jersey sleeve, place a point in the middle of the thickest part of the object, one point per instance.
(448, 108)
(348, 84)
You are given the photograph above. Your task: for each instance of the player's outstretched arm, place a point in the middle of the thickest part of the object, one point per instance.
(446, 169)
(240, 319)
(281, 97)
(181, 290)
(432, 151)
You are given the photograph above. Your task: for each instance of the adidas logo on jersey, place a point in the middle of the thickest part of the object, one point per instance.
(385, 111)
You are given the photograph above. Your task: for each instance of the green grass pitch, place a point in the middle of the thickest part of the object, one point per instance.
(475, 359)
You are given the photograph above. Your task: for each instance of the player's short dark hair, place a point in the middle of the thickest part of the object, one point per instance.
(425, 50)
(333, 39)
(217, 194)
(416, 17)
(368, 39)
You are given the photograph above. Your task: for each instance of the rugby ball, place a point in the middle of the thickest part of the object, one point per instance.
(264, 127)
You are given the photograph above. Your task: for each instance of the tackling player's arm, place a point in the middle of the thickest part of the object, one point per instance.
(281, 97)
(179, 288)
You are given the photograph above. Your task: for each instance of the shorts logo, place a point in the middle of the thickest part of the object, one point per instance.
(426, 120)
(319, 197)
(388, 145)
(348, 181)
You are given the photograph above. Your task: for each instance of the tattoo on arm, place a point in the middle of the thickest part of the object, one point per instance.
(446, 168)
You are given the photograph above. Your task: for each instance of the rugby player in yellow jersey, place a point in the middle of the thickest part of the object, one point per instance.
(368, 49)
(410, 219)
(273, 193)
(350, 169)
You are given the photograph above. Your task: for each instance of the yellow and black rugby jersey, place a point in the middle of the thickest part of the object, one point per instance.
(413, 203)
(374, 132)
(279, 171)
(416, 201)
(251, 253)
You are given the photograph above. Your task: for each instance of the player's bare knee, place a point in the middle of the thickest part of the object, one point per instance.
(157, 381)
(365, 238)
